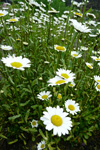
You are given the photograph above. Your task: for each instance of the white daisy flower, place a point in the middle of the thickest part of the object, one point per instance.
(71, 106)
(55, 118)
(97, 79)
(89, 65)
(72, 84)
(3, 13)
(60, 48)
(84, 48)
(75, 54)
(5, 47)
(34, 123)
(12, 20)
(79, 26)
(95, 58)
(41, 145)
(66, 74)
(97, 86)
(99, 64)
(57, 81)
(44, 95)
(16, 62)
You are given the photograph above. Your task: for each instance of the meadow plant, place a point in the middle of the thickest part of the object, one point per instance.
(49, 69)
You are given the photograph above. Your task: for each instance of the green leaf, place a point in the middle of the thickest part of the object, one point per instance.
(86, 136)
(3, 136)
(14, 117)
(85, 142)
(13, 141)
(27, 90)
(27, 114)
(6, 106)
(69, 137)
(24, 104)
(41, 133)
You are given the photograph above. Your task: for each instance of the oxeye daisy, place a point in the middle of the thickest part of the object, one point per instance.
(97, 79)
(16, 62)
(3, 13)
(75, 54)
(41, 145)
(57, 81)
(60, 48)
(84, 48)
(71, 106)
(66, 74)
(95, 58)
(44, 95)
(72, 84)
(55, 118)
(12, 20)
(97, 86)
(34, 123)
(89, 65)
(5, 47)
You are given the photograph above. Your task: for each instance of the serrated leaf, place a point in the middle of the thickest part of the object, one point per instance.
(14, 117)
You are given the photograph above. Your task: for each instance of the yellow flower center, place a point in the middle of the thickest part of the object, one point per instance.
(60, 48)
(75, 55)
(98, 59)
(42, 146)
(12, 20)
(78, 14)
(44, 96)
(59, 96)
(98, 80)
(90, 66)
(16, 64)
(71, 107)
(56, 120)
(34, 123)
(71, 84)
(64, 75)
(60, 82)
(1, 14)
(98, 86)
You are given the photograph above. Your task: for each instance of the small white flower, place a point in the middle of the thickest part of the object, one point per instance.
(12, 20)
(95, 58)
(34, 123)
(71, 106)
(66, 74)
(75, 54)
(89, 65)
(97, 79)
(97, 86)
(41, 145)
(72, 84)
(44, 95)
(55, 118)
(16, 62)
(84, 48)
(3, 13)
(5, 47)
(57, 81)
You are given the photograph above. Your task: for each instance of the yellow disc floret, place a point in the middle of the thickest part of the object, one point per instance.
(60, 82)
(16, 64)
(71, 107)
(64, 75)
(56, 120)
(60, 48)
(44, 96)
